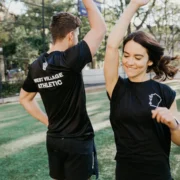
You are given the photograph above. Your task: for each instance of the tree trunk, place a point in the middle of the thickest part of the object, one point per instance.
(93, 64)
(2, 69)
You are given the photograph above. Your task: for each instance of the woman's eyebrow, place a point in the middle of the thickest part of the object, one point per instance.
(135, 54)
(139, 55)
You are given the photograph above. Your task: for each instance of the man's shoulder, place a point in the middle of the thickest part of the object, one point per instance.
(37, 60)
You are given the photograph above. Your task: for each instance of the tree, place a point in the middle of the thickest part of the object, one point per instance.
(26, 36)
(163, 25)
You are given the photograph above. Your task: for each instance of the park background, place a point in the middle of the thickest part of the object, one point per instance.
(24, 35)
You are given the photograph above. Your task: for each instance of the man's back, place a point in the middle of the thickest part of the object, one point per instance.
(61, 87)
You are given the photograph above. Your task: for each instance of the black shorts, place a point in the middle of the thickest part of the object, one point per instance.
(70, 159)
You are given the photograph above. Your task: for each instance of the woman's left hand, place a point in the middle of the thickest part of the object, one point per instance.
(164, 115)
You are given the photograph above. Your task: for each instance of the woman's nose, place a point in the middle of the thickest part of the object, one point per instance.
(130, 61)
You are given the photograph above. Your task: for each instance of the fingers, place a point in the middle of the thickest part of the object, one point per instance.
(156, 112)
(163, 115)
(159, 114)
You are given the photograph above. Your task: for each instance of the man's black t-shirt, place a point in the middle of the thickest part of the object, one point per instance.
(143, 145)
(57, 77)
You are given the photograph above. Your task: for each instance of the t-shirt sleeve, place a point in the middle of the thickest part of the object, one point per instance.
(29, 85)
(169, 95)
(78, 56)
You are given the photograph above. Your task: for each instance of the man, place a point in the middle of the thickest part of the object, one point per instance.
(56, 75)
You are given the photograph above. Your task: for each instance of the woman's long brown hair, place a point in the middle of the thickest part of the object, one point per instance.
(162, 65)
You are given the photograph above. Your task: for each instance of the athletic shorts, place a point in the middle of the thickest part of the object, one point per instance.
(71, 159)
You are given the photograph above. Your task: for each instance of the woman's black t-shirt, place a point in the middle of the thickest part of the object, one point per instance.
(143, 145)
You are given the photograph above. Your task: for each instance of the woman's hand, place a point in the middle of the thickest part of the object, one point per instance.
(164, 115)
(140, 2)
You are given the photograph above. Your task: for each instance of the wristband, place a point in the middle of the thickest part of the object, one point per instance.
(178, 123)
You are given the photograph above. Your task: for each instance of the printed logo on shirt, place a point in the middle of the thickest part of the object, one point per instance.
(45, 65)
(154, 100)
(49, 81)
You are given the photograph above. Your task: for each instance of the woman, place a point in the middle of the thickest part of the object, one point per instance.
(142, 110)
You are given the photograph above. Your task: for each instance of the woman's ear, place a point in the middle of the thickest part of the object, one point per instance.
(150, 63)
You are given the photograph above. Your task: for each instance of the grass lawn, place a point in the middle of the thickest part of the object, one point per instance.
(30, 161)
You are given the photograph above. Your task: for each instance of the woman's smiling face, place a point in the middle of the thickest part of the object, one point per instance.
(135, 61)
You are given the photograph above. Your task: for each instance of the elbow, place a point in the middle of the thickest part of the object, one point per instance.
(113, 42)
(102, 31)
(101, 34)
(176, 141)
(21, 101)
(177, 144)
(111, 46)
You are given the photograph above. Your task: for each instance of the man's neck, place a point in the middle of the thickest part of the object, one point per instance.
(59, 46)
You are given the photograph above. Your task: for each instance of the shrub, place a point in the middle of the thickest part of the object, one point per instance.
(10, 88)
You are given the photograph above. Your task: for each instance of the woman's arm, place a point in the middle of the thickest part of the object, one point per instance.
(169, 117)
(114, 40)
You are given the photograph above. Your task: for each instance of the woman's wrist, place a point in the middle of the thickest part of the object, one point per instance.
(177, 125)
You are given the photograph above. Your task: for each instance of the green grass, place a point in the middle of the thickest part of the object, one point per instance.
(30, 163)
(106, 152)
(22, 123)
(178, 104)
(98, 106)
(27, 164)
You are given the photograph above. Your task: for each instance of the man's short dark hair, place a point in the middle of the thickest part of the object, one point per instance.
(62, 23)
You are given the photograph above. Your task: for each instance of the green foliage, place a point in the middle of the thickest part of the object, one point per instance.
(26, 30)
(10, 88)
(4, 35)
(9, 48)
(178, 104)
(22, 36)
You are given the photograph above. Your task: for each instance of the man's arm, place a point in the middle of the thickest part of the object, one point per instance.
(98, 27)
(32, 107)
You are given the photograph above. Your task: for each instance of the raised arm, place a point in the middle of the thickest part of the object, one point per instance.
(98, 27)
(114, 40)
